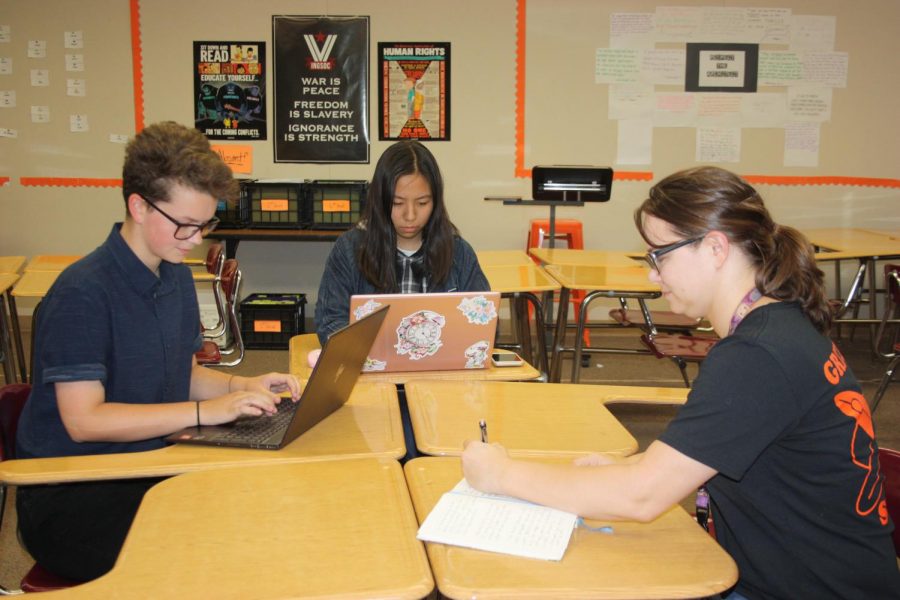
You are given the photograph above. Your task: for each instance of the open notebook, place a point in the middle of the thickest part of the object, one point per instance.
(431, 332)
(329, 387)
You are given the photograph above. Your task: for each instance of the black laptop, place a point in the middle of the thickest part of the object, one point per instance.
(329, 387)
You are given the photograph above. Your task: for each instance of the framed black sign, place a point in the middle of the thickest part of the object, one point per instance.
(721, 67)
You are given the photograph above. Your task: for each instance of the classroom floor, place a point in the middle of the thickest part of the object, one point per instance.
(644, 422)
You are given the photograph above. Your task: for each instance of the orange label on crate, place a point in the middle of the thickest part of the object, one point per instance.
(274, 204)
(267, 326)
(335, 206)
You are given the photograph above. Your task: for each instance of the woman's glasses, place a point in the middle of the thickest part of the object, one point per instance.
(652, 257)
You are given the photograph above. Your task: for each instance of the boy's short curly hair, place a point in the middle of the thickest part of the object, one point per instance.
(168, 153)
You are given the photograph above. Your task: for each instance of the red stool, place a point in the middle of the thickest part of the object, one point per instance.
(572, 232)
(568, 229)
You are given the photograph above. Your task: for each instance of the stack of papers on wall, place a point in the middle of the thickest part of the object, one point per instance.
(466, 517)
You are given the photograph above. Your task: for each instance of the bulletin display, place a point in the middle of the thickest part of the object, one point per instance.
(794, 94)
(64, 120)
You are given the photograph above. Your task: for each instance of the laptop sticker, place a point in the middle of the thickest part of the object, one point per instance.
(373, 364)
(478, 310)
(367, 308)
(476, 354)
(419, 334)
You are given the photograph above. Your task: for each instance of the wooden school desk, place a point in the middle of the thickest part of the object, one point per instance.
(521, 283)
(301, 345)
(556, 419)
(599, 282)
(502, 258)
(865, 245)
(671, 557)
(32, 284)
(326, 530)
(11, 264)
(7, 329)
(50, 262)
(367, 426)
(571, 256)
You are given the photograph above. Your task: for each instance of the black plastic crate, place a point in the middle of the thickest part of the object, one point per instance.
(274, 204)
(237, 215)
(269, 321)
(333, 204)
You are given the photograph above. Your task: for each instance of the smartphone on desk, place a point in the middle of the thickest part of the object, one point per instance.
(506, 359)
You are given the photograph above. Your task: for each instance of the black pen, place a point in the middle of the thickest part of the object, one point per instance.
(483, 427)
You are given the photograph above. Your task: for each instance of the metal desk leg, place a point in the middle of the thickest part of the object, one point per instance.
(17, 336)
(6, 351)
(579, 337)
(523, 328)
(540, 328)
(559, 337)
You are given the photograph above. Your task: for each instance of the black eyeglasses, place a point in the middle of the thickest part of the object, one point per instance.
(652, 257)
(185, 231)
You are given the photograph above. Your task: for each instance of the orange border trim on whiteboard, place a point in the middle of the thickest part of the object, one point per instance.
(521, 171)
(137, 67)
(69, 182)
(824, 180)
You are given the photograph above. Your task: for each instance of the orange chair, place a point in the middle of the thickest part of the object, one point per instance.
(567, 229)
(12, 400)
(572, 232)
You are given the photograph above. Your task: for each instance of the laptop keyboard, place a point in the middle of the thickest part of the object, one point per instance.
(259, 429)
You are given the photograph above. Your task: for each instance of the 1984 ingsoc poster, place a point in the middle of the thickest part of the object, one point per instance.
(321, 107)
(229, 90)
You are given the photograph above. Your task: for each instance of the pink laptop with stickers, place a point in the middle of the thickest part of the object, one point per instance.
(431, 332)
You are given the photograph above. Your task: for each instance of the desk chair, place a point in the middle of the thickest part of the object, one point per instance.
(840, 306)
(888, 329)
(890, 468)
(210, 354)
(663, 320)
(12, 400)
(213, 264)
(681, 349)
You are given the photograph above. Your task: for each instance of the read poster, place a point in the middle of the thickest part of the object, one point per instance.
(229, 90)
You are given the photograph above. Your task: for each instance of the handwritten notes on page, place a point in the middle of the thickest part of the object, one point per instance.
(469, 518)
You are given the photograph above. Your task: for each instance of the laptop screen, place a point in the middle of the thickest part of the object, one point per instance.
(431, 332)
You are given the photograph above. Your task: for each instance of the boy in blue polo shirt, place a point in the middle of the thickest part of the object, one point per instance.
(114, 367)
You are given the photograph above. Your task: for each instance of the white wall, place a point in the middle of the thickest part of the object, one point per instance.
(566, 118)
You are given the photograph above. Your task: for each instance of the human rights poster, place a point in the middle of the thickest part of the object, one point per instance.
(229, 90)
(321, 89)
(414, 90)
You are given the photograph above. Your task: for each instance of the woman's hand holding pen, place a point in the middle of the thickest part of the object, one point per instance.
(484, 465)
